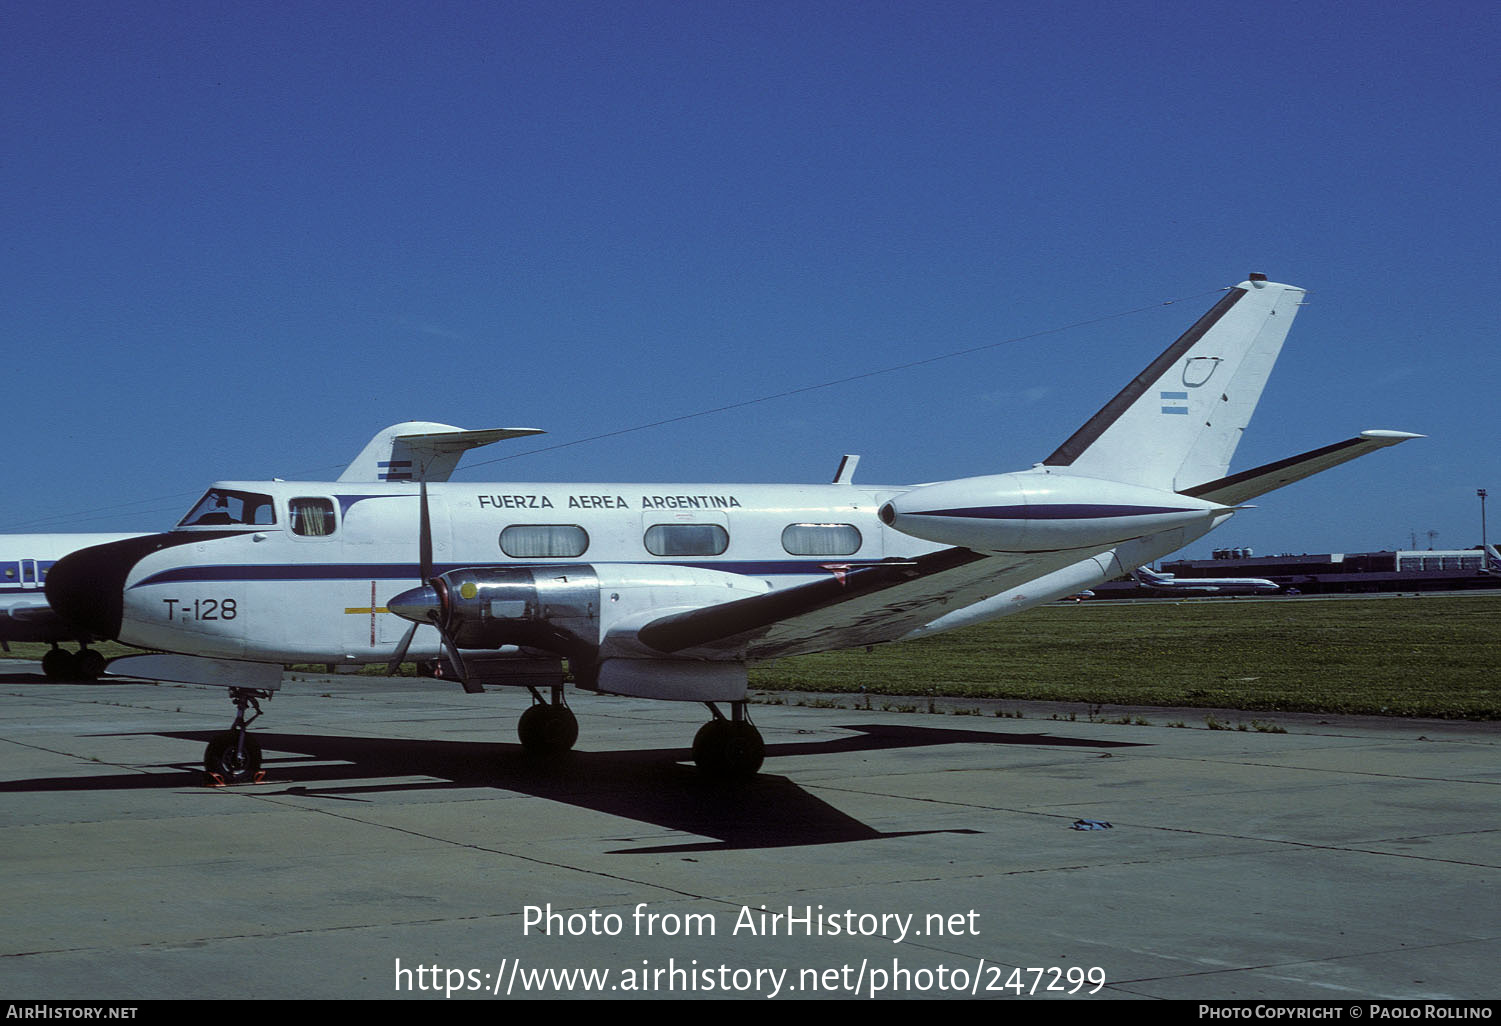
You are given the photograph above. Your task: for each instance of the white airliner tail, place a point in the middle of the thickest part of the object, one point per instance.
(1176, 425)
(418, 449)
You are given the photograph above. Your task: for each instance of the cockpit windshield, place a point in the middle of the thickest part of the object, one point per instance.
(222, 506)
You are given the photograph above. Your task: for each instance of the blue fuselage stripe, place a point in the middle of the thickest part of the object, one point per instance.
(335, 572)
(1056, 511)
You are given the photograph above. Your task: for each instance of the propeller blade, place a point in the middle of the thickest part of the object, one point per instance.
(424, 601)
(394, 666)
(457, 660)
(425, 535)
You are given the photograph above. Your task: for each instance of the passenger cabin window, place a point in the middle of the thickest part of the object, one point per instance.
(221, 507)
(312, 518)
(821, 539)
(544, 541)
(686, 540)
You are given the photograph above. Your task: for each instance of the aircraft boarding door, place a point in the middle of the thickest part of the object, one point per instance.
(30, 578)
(382, 553)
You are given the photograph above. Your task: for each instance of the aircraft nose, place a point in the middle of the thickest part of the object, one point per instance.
(87, 587)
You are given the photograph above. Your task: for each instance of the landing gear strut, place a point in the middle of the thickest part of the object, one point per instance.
(234, 757)
(730, 749)
(547, 728)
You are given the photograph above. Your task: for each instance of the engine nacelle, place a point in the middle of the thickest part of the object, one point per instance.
(1040, 512)
(569, 609)
(554, 608)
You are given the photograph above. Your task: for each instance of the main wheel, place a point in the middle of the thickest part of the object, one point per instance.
(222, 758)
(729, 749)
(60, 664)
(90, 664)
(547, 729)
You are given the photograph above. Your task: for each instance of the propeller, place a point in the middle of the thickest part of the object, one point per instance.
(423, 604)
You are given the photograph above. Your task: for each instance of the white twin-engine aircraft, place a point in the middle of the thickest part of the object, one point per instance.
(669, 591)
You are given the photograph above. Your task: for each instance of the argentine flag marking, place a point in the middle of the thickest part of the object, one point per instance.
(1178, 401)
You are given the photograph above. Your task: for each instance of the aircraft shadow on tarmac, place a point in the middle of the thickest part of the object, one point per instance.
(651, 786)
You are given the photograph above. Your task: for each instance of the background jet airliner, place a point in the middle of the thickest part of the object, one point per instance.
(26, 559)
(25, 613)
(1149, 578)
(668, 591)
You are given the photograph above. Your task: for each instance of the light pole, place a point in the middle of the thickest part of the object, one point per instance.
(1485, 551)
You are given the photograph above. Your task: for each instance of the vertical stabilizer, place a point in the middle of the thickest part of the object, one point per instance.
(1178, 422)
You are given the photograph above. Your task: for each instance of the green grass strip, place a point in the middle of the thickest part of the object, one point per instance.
(1431, 657)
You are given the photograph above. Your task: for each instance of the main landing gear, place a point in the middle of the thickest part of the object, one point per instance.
(547, 728)
(234, 757)
(726, 748)
(61, 665)
(729, 749)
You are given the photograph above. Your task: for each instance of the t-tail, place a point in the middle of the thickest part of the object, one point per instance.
(1154, 460)
(1177, 424)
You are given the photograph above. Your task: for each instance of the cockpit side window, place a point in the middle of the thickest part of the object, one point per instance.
(312, 518)
(223, 506)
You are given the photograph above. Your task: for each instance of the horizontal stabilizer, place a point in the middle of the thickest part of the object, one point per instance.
(418, 448)
(1248, 484)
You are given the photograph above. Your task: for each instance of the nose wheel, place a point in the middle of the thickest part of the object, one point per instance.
(729, 749)
(234, 757)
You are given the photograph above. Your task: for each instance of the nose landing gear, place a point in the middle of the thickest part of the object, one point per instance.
(234, 757)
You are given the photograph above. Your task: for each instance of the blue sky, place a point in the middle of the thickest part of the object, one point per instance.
(241, 238)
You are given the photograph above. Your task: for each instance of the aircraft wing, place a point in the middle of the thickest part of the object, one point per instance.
(29, 610)
(1248, 484)
(860, 606)
(27, 618)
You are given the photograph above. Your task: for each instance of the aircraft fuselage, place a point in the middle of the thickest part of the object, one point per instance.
(303, 572)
